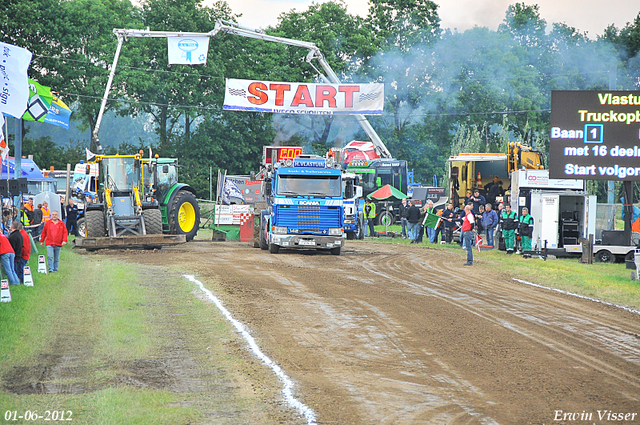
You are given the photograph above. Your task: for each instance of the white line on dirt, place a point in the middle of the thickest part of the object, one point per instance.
(287, 383)
(630, 310)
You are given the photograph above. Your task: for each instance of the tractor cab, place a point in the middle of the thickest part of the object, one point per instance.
(178, 203)
(162, 177)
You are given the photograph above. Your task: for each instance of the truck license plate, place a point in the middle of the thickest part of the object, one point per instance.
(306, 242)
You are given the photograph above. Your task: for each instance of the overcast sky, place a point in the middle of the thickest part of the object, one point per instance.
(591, 16)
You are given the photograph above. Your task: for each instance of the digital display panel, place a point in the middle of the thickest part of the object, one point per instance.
(595, 135)
(282, 153)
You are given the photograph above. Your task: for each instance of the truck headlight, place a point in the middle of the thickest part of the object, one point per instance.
(335, 232)
(278, 230)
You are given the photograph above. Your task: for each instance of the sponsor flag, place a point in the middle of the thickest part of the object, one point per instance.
(14, 85)
(40, 98)
(188, 50)
(303, 98)
(4, 149)
(431, 220)
(89, 154)
(230, 190)
(59, 113)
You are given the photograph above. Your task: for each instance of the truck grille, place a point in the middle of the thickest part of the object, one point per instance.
(307, 218)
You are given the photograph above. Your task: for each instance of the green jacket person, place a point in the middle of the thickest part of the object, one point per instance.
(525, 228)
(509, 224)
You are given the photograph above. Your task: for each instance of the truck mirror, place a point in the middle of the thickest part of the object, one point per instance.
(87, 170)
(165, 169)
(358, 191)
(378, 182)
(252, 176)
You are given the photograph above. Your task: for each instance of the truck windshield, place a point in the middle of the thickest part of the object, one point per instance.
(319, 186)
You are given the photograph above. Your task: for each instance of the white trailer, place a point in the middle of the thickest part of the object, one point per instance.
(564, 213)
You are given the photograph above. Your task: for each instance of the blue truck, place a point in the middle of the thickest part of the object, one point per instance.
(304, 205)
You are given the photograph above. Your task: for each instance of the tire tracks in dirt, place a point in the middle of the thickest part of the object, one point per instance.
(395, 334)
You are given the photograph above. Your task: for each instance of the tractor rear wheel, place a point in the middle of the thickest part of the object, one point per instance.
(94, 224)
(152, 221)
(184, 215)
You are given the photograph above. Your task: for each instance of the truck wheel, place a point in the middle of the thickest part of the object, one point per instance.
(94, 224)
(385, 218)
(604, 256)
(82, 227)
(184, 215)
(273, 248)
(152, 221)
(336, 251)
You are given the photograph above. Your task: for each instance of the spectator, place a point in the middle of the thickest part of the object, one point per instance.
(46, 212)
(7, 258)
(479, 226)
(525, 228)
(26, 216)
(508, 224)
(477, 200)
(370, 216)
(15, 239)
(26, 250)
(468, 223)
(489, 222)
(495, 191)
(439, 227)
(54, 234)
(468, 197)
(491, 184)
(37, 220)
(404, 211)
(63, 215)
(449, 222)
(430, 232)
(413, 217)
(72, 218)
(29, 205)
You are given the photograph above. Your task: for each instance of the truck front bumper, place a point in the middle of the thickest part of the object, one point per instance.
(307, 241)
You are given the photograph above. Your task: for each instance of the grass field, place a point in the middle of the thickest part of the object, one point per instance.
(91, 342)
(605, 281)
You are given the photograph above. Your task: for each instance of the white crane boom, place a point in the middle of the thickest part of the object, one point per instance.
(236, 29)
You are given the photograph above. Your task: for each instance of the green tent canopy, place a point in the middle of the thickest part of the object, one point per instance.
(387, 192)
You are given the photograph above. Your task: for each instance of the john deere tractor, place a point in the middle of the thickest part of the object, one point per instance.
(120, 209)
(178, 203)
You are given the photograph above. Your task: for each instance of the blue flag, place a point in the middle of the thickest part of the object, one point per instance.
(59, 114)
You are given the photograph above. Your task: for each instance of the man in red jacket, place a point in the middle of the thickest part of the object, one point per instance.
(26, 250)
(54, 234)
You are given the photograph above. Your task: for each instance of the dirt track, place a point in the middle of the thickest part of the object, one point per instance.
(395, 334)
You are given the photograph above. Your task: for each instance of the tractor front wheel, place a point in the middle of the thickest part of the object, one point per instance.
(94, 224)
(184, 215)
(152, 221)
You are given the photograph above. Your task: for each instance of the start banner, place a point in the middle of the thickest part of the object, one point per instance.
(303, 98)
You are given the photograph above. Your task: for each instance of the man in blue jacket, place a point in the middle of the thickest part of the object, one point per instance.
(489, 222)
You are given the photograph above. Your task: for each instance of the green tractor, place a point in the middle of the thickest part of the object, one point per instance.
(178, 203)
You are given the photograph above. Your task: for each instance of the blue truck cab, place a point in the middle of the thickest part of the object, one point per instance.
(304, 205)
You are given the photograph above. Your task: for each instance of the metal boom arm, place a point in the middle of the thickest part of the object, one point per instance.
(236, 29)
